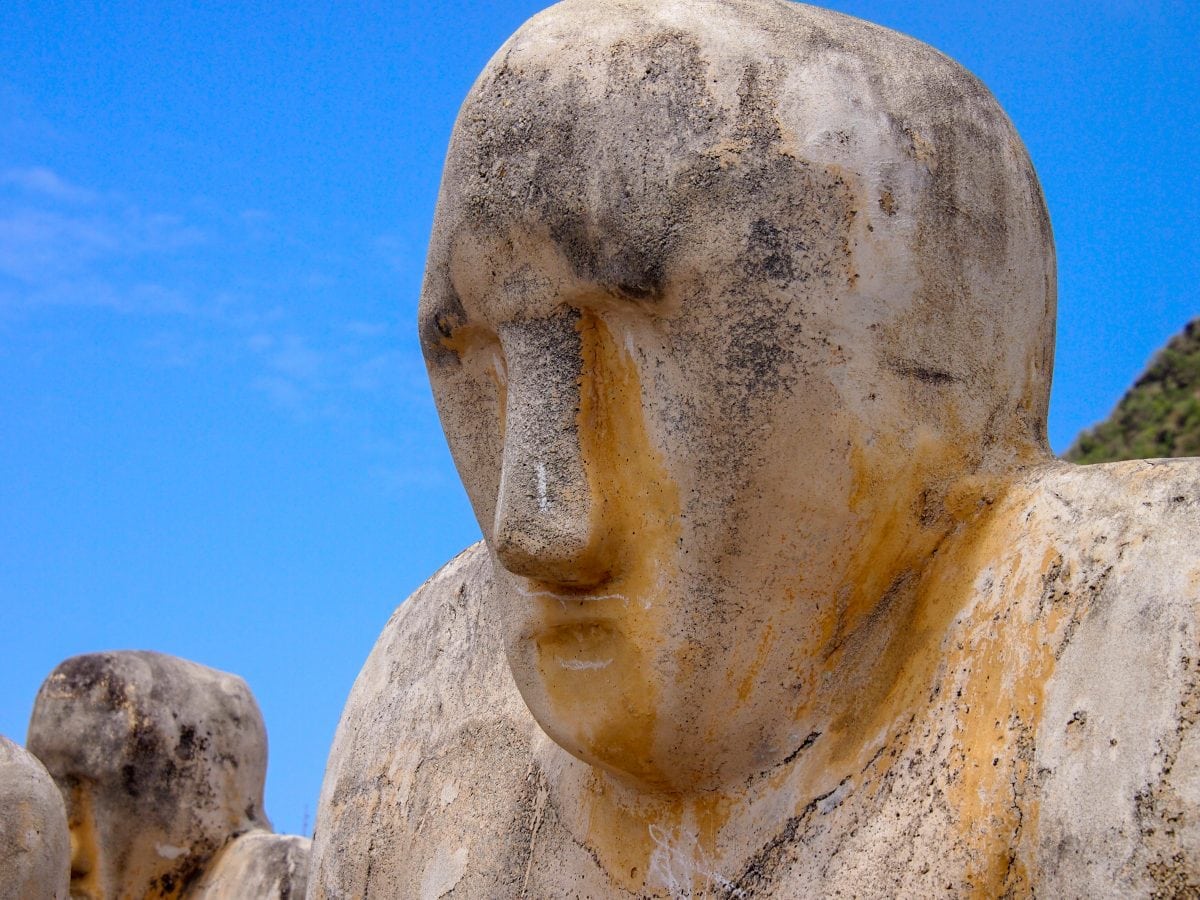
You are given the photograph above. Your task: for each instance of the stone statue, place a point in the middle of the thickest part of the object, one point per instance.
(161, 763)
(739, 316)
(35, 850)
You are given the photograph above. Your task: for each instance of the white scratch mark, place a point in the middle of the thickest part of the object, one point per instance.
(543, 500)
(579, 665)
(539, 807)
(680, 865)
(166, 851)
(563, 598)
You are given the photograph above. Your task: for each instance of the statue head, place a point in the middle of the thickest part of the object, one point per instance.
(732, 310)
(35, 852)
(160, 761)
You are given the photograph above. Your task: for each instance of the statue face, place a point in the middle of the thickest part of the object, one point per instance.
(682, 351)
(122, 844)
(159, 760)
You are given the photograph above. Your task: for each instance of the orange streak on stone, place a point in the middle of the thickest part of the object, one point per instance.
(600, 671)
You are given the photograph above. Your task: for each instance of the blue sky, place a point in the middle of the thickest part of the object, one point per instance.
(217, 438)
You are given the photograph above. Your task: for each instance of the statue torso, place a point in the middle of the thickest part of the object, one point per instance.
(1039, 739)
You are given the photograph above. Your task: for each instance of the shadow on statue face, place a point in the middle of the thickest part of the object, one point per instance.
(673, 372)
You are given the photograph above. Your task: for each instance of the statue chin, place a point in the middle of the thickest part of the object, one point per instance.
(610, 708)
(589, 687)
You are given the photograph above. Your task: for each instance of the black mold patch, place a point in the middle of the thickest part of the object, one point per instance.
(92, 674)
(768, 255)
(186, 748)
(924, 373)
(631, 269)
(757, 122)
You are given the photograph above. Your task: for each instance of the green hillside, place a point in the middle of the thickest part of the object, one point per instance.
(1158, 416)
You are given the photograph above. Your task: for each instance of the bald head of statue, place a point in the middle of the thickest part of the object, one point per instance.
(161, 761)
(734, 310)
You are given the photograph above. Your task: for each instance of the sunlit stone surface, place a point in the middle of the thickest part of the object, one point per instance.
(35, 850)
(161, 763)
(739, 316)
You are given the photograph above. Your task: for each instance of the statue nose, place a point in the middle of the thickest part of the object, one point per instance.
(547, 525)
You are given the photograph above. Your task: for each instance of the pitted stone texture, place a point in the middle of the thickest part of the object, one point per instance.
(434, 732)
(35, 849)
(724, 300)
(1052, 751)
(257, 866)
(161, 762)
(739, 317)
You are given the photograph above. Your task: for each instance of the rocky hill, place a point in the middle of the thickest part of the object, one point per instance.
(1158, 416)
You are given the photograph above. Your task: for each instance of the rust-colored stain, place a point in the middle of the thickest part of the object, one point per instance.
(85, 845)
(911, 578)
(639, 832)
(1005, 658)
(647, 840)
(597, 657)
(907, 513)
(760, 656)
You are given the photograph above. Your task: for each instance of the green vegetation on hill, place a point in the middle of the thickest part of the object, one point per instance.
(1159, 416)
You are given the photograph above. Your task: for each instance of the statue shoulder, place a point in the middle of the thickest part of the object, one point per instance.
(435, 633)
(1118, 751)
(257, 864)
(433, 726)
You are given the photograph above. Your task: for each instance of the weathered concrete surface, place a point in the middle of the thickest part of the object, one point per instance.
(1039, 737)
(35, 850)
(161, 762)
(724, 300)
(739, 316)
(432, 756)
(257, 866)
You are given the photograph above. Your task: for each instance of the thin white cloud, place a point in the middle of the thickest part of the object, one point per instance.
(176, 350)
(40, 246)
(45, 182)
(284, 393)
(195, 292)
(294, 358)
(402, 252)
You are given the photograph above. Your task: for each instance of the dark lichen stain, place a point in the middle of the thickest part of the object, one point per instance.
(186, 748)
(627, 265)
(924, 373)
(92, 674)
(804, 745)
(185, 873)
(768, 254)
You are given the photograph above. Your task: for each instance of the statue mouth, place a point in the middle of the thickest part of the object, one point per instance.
(552, 608)
(592, 689)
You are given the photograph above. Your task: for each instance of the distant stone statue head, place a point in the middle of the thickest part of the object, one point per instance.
(734, 309)
(160, 760)
(35, 851)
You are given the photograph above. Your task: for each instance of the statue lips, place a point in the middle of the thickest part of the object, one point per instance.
(579, 637)
(554, 607)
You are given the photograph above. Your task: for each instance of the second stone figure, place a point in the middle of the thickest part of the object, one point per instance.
(161, 764)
